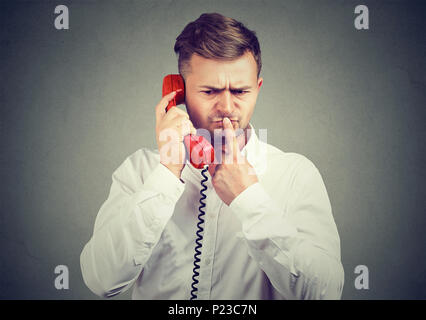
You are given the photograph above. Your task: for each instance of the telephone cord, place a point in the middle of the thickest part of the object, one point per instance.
(199, 238)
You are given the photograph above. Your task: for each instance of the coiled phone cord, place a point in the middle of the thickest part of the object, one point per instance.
(199, 235)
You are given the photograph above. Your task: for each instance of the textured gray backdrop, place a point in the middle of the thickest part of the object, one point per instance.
(76, 103)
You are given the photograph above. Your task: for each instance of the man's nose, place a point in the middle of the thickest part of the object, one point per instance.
(225, 104)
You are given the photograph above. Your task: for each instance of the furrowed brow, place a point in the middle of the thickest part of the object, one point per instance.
(221, 89)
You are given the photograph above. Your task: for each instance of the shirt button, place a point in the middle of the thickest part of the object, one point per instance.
(207, 261)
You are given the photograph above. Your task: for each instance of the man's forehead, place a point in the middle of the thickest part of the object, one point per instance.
(247, 58)
(221, 81)
(213, 72)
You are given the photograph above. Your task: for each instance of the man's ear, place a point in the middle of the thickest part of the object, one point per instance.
(259, 83)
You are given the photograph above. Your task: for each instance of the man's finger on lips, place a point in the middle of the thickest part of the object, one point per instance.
(160, 109)
(231, 150)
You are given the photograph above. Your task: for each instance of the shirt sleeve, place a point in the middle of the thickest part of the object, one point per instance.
(298, 246)
(129, 224)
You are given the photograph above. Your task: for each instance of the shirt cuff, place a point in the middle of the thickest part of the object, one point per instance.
(163, 181)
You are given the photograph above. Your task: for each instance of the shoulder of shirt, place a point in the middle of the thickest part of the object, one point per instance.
(141, 162)
(288, 160)
(294, 168)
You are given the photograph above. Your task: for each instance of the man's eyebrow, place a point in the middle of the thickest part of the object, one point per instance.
(221, 89)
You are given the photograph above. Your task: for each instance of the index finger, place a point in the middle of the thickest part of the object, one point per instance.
(160, 109)
(232, 150)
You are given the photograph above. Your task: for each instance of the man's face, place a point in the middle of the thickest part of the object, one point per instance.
(217, 89)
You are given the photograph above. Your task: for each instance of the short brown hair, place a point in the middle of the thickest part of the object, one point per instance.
(214, 36)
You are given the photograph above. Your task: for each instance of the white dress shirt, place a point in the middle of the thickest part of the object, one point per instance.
(276, 240)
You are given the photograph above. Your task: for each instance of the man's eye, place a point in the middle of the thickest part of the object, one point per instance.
(207, 92)
(239, 92)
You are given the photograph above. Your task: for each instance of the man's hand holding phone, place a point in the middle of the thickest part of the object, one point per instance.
(171, 127)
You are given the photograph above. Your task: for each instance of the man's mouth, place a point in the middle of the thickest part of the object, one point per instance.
(221, 121)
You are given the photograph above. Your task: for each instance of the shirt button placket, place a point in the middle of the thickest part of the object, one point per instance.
(209, 245)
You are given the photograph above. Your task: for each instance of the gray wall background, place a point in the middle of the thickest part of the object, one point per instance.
(76, 103)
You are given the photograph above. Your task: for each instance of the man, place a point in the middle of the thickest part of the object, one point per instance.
(268, 233)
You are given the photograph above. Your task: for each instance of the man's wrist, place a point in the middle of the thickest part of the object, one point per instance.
(163, 181)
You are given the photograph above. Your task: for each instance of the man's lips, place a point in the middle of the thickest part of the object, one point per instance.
(219, 124)
(221, 121)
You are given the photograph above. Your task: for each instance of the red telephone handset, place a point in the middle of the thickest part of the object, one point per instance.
(200, 151)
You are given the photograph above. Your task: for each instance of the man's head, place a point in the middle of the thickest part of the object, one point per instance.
(219, 58)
